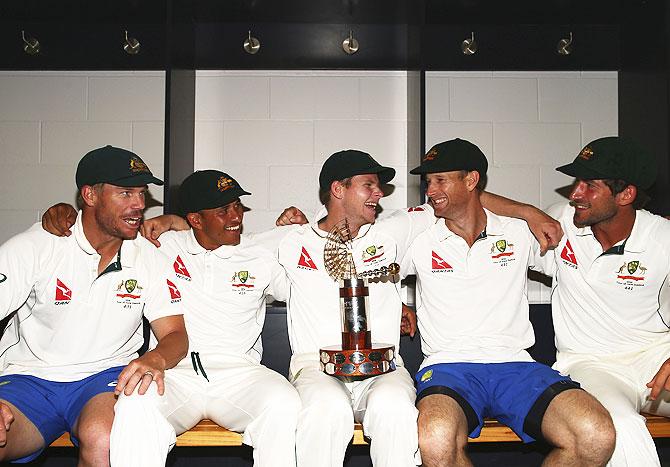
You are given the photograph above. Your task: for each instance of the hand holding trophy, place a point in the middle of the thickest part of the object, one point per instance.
(357, 356)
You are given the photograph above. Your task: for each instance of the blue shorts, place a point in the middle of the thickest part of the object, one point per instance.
(516, 393)
(54, 406)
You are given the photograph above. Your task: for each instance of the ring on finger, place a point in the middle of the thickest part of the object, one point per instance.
(148, 373)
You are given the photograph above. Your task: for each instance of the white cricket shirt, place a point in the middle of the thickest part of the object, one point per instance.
(472, 303)
(72, 322)
(613, 301)
(224, 294)
(313, 303)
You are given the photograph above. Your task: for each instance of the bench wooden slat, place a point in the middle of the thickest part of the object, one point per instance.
(208, 433)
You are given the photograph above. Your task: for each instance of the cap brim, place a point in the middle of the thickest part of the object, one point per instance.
(577, 170)
(386, 174)
(433, 168)
(136, 180)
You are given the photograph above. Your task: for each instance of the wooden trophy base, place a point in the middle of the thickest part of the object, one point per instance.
(377, 360)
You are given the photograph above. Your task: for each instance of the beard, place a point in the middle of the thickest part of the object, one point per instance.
(593, 215)
(114, 226)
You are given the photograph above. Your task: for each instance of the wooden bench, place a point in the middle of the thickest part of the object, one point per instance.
(208, 433)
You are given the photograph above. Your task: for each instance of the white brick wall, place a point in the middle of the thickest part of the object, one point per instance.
(272, 130)
(527, 123)
(49, 120)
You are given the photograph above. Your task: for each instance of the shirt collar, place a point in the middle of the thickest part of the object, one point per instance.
(634, 243)
(126, 255)
(323, 212)
(195, 248)
(493, 227)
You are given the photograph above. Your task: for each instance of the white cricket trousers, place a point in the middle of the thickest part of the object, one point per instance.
(383, 404)
(619, 381)
(241, 395)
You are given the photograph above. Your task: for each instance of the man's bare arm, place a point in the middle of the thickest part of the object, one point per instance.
(153, 228)
(171, 349)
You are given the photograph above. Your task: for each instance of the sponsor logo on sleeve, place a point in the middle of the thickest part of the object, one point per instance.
(568, 255)
(175, 295)
(180, 269)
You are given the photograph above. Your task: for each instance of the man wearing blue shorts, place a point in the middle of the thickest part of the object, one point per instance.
(78, 304)
(472, 312)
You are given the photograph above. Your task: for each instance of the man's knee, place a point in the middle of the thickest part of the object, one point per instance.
(595, 436)
(589, 431)
(93, 436)
(440, 441)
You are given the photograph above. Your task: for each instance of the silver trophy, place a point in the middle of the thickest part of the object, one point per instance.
(357, 356)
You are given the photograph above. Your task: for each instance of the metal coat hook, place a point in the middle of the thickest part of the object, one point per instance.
(251, 44)
(131, 45)
(350, 44)
(31, 46)
(564, 46)
(469, 45)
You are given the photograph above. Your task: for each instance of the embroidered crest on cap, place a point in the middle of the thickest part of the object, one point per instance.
(430, 155)
(586, 153)
(136, 165)
(224, 183)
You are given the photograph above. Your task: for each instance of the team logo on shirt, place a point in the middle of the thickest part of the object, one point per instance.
(128, 293)
(305, 261)
(180, 269)
(416, 209)
(631, 274)
(63, 293)
(440, 265)
(502, 252)
(568, 255)
(242, 281)
(427, 376)
(371, 253)
(175, 295)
